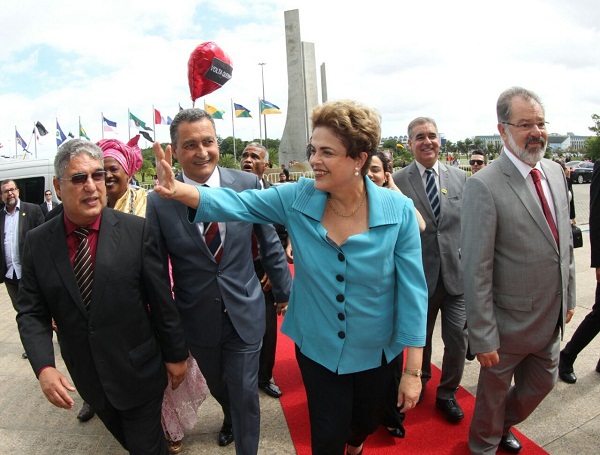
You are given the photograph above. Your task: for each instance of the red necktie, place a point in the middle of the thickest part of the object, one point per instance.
(212, 237)
(535, 175)
(83, 267)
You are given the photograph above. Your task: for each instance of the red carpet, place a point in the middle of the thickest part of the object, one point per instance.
(426, 430)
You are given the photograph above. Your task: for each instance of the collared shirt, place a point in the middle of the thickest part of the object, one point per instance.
(49, 205)
(436, 173)
(525, 170)
(11, 242)
(214, 181)
(73, 240)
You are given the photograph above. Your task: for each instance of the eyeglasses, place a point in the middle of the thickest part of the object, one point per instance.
(477, 162)
(9, 190)
(527, 126)
(48, 194)
(81, 178)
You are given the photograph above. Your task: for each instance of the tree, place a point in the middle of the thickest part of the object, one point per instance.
(596, 127)
(591, 147)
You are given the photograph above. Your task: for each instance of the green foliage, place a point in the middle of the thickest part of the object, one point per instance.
(592, 147)
(229, 162)
(596, 127)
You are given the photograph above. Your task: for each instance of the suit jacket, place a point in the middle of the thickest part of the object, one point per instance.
(201, 285)
(30, 216)
(44, 207)
(440, 242)
(118, 349)
(520, 284)
(595, 215)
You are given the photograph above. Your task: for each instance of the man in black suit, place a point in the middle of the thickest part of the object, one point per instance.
(254, 159)
(120, 332)
(48, 203)
(216, 288)
(16, 219)
(590, 326)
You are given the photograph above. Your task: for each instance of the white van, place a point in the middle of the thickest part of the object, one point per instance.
(32, 176)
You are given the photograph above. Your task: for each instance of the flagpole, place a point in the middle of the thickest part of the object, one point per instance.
(102, 123)
(154, 122)
(259, 123)
(16, 156)
(128, 123)
(35, 139)
(232, 128)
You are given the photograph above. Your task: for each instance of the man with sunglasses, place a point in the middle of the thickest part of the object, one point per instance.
(478, 161)
(97, 273)
(16, 219)
(48, 203)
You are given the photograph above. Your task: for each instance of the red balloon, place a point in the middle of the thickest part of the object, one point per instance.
(209, 67)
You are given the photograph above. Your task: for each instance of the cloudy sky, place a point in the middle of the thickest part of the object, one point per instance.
(70, 59)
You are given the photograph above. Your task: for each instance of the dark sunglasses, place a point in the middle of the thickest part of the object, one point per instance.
(477, 162)
(48, 194)
(81, 178)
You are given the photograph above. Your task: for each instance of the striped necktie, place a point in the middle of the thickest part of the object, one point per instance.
(432, 193)
(83, 267)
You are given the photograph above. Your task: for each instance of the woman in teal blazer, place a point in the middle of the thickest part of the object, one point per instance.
(359, 295)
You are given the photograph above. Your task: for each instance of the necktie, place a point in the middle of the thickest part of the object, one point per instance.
(212, 237)
(82, 266)
(432, 193)
(535, 175)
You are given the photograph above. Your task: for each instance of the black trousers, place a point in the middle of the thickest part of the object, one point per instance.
(138, 430)
(392, 417)
(587, 330)
(343, 408)
(269, 344)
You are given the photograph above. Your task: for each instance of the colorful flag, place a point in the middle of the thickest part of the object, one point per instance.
(108, 125)
(20, 140)
(146, 136)
(43, 131)
(213, 111)
(82, 132)
(241, 111)
(137, 123)
(268, 108)
(60, 136)
(160, 120)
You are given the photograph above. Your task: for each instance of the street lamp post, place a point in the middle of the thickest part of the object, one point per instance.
(262, 73)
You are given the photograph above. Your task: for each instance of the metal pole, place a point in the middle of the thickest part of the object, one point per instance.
(262, 73)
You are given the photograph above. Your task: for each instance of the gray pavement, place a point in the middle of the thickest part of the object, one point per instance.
(567, 422)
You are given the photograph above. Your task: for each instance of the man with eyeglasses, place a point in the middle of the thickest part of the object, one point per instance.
(521, 286)
(97, 273)
(48, 203)
(16, 219)
(478, 161)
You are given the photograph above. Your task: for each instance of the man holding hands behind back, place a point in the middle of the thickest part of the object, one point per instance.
(521, 286)
(97, 273)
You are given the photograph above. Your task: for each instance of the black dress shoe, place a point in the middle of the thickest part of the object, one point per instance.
(396, 432)
(450, 409)
(598, 366)
(24, 355)
(568, 377)
(271, 389)
(509, 443)
(86, 413)
(225, 435)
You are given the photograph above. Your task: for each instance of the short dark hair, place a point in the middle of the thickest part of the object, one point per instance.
(479, 152)
(188, 116)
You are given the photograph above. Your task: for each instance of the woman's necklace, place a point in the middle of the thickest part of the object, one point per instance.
(353, 211)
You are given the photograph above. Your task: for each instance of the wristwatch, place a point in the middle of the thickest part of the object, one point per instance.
(417, 373)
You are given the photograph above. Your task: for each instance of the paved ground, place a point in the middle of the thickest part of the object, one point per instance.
(566, 423)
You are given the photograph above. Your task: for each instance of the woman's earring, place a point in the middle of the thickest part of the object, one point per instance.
(356, 172)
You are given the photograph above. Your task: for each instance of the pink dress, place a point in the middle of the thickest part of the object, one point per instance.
(180, 406)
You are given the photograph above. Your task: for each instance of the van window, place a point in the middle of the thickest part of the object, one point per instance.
(31, 189)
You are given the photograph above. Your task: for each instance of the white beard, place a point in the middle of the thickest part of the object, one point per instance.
(528, 156)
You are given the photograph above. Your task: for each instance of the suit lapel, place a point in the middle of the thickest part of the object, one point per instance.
(106, 251)
(525, 194)
(59, 254)
(191, 228)
(559, 198)
(414, 177)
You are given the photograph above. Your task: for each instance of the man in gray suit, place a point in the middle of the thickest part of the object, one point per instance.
(216, 288)
(517, 252)
(436, 191)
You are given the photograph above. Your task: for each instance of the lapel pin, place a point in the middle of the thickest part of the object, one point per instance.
(444, 190)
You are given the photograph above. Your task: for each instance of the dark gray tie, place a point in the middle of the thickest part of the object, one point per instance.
(432, 193)
(83, 267)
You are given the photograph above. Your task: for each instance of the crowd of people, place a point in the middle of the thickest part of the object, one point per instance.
(180, 289)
